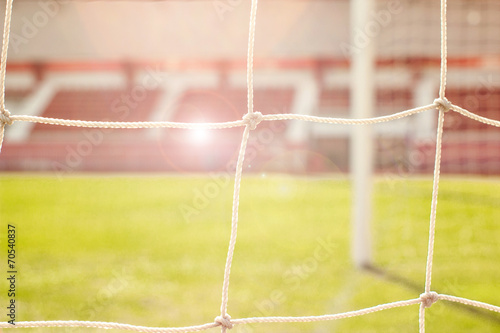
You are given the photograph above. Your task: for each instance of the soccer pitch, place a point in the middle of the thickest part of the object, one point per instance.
(150, 250)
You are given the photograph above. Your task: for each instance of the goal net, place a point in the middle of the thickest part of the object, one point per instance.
(435, 72)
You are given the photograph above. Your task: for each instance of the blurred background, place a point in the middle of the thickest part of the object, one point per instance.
(135, 226)
(186, 61)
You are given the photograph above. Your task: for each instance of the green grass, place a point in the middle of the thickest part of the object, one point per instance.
(149, 251)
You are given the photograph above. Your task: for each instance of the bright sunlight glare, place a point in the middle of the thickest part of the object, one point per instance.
(200, 136)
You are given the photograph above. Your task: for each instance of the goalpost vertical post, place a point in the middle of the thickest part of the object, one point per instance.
(361, 145)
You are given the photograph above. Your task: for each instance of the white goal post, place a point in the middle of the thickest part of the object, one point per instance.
(361, 145)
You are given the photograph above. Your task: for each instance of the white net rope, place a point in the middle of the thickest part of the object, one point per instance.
(250, 121)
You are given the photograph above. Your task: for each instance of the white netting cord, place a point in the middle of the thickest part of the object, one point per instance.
(428, 296)
(251, 43)
(425, 300)
(224, 322)
(4, 114)
(130, 125)
(469, 302)
(444, 50)
(5, 47)
(5, 117)
(443, 105)
(250, 121)
(475, 117)
(343, 315)
(435, 190)
(107, 325)
(421, 318)
(234, 226)
(254, 119)
(348, 121)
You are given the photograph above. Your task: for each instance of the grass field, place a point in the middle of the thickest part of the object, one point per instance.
(150, 250)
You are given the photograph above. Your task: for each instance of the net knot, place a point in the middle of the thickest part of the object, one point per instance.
(224, 321)
(5, 117)
(443, 104)
(429, 298)
(252, 119)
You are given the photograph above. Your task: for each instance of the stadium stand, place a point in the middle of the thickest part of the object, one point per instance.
(45, 148)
